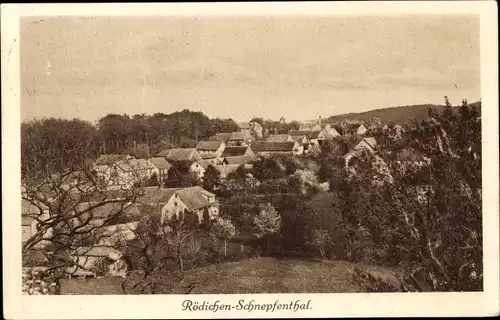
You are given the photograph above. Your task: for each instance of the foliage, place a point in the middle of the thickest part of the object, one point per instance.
(268, 220)
(211, 179)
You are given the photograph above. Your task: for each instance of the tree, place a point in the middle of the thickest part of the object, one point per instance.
(224, 230)
(268, 221)
(211, 179)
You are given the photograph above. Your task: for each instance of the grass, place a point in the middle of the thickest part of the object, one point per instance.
(261, 275)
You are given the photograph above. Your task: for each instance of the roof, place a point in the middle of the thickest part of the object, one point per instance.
(28, 208)
(213, 145)
(238, 136)
(371, 141)
(238, 160)
(208, 155)
(109, 159)
(98, 251)
(156, 195)
(244, 125)
(234, 151)
(102, 210)
(134, 165)
(353, 126)
(273, 146)
(194, 198)
(278, 138)
(305, 133)
(180, 154)
(204, 163)
(221, 136)
(160, 163)
(309, 125)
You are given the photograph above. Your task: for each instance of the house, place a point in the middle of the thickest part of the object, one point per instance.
(105, 212)
(308, 139)
(104, 165)
(279, 138)
(98, 260)
(173, 201)
(211, 147)
(237, 151)
(355, 129)
(162, 166)
(365, 145)
(126, 173)
(267, 148)
(199, 167)
(180, 154)
(245, 128)
(237, 139)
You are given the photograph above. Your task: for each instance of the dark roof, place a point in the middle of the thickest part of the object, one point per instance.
(109, 159)
(221, 136)
(160, 163)
(240, 159)
(209, 145)
(210, 155)
(234, 151)
(273, 146)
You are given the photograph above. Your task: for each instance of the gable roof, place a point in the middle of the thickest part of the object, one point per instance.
(213, 145)
(278, 138)
(221, 136)
(180, 154)
(134, 165)
(234, 151)
(160, 163)
(238, 160)
(109, 159)
(273, 146)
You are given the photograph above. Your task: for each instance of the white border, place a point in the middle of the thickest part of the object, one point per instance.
(324, 305)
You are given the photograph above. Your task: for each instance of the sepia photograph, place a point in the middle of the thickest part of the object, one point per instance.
(235, 154)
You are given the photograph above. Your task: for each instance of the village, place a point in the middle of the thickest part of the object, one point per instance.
(225, 152)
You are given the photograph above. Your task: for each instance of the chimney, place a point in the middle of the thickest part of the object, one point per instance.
(319, 120)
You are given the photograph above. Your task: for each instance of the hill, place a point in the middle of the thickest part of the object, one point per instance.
(261, 275)
(401, 115)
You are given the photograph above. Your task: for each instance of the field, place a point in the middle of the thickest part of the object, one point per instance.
(262, 275)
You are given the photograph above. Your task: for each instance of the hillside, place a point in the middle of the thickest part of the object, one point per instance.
(401, 115)
(261, 275)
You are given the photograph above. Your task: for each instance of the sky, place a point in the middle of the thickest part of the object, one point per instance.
(240, 67)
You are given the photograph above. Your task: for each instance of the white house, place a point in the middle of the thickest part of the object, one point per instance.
(124, 173)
